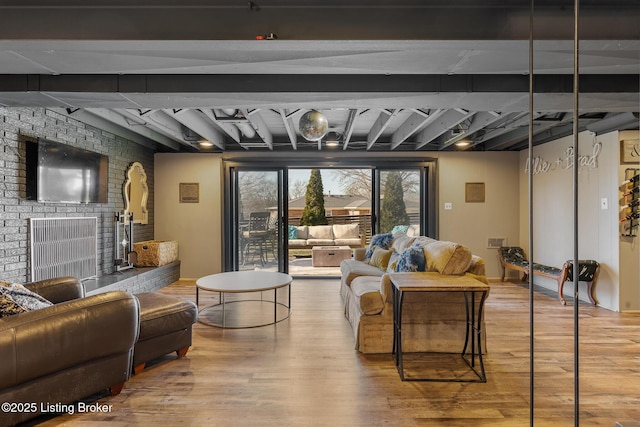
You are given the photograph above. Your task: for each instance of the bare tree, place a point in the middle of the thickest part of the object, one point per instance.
(258, 192)
(297, 189)
(358, 181)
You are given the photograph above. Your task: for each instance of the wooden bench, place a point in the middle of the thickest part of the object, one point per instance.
(513, 257)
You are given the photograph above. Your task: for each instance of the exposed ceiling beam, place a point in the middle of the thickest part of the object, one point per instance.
(446, 121)
(348, 127)
(517, 135)
(290, 127)
(158, 121)
(314, 83)
(118, 125)
(379, 126)
(197, 122)
(478, 122)
(415, 121)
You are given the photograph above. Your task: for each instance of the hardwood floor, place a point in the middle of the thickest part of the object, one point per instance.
(305, 372)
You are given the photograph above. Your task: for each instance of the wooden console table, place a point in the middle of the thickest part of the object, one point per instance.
(475, 294)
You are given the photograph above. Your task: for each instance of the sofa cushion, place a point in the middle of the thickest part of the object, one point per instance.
(447, 257)
(351, 268)
(380, 257)
(324, 232)
(411, 259)
(297, 243)
(320, 242)
(347, 242)
(303, 232)
(346, 231)
(423, 241)
(293, 232)
(366, 290)
(401, 242)
(381, 240)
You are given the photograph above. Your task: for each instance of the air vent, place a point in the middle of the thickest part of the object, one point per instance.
(496, 242)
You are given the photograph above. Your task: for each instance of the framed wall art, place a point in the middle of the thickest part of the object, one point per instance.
(474, 192)
(189, 192)
(629, 151)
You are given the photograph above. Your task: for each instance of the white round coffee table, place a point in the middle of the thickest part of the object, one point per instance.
(235, 311)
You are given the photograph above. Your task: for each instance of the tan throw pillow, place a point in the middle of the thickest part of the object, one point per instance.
(380, 257)
(447, 257)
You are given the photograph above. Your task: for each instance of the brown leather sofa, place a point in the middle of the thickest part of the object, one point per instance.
(61, 354)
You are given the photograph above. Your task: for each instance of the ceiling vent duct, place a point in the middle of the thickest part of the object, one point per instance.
(244, 126)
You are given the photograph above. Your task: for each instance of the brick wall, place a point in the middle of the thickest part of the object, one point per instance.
(20, 124)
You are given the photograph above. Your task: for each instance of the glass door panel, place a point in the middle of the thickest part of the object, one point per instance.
(346, 201)
(258, 220)
(400, 201)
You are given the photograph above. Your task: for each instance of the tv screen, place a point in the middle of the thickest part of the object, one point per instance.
(64, 174)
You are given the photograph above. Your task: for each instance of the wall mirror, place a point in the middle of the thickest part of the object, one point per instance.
(135, 194)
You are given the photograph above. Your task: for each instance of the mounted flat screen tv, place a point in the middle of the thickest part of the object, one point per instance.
(60, 173)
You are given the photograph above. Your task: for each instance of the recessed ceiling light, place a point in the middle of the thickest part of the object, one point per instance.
(463, 143)
(205, 143)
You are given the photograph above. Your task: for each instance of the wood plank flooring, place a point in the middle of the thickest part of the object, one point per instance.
(305, 372)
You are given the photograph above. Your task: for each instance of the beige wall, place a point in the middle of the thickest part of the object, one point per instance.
(196, 226)
(553, 216)
(473, 223)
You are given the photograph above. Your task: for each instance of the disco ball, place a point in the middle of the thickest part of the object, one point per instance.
(313, 125)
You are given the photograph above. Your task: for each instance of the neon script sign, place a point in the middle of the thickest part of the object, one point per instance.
(539, 165)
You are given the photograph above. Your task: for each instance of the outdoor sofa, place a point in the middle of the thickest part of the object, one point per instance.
(308, 236)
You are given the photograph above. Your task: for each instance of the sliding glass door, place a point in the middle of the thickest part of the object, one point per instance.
(266, 205)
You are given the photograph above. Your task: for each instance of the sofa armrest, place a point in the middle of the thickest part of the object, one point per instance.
(57, 290)
(42, 342)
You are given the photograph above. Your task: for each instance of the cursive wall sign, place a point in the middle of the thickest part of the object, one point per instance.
(540, 165)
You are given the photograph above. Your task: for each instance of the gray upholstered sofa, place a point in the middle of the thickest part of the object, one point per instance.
(308, 236)
(436, 324)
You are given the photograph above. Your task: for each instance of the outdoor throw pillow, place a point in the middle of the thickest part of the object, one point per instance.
(381, 240)
(411, 259)
(380, 257)
(399, 229)
(24, 297)
(293, 232)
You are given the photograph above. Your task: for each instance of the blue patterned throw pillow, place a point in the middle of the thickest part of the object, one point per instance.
(380, 240)
(411, 259)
